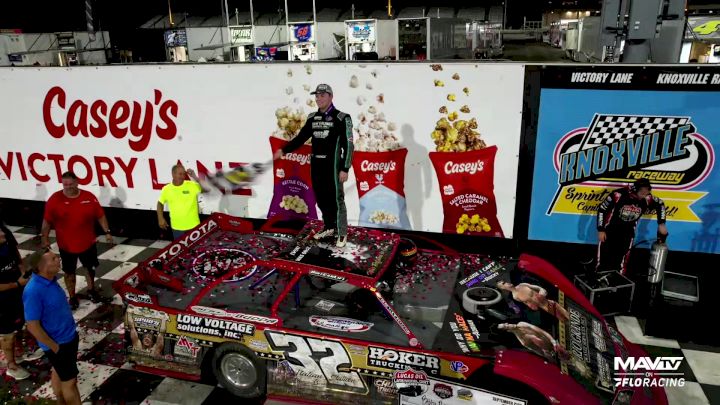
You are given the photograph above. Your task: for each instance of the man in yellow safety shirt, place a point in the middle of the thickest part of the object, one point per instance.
(181, 196)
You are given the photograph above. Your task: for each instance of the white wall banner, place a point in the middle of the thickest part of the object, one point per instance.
(436, 145)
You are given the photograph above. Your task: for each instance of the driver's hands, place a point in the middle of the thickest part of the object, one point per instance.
(278, 154)
(662, 229)
(602, 236)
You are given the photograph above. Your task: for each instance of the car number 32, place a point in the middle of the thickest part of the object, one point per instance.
(318, 361)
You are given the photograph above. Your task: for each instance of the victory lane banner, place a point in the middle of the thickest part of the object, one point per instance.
(602, 129)
(122, 128)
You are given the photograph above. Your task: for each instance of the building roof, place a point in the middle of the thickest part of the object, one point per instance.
(494, 14)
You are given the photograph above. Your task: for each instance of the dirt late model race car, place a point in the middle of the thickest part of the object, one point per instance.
(273, 312)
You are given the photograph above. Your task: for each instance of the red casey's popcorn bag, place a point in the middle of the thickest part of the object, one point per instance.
(293, 196)
(467, 187)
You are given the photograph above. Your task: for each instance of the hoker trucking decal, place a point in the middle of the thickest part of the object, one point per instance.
(399, 360)
(616, 150)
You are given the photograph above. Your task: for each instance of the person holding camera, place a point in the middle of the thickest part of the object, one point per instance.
(12, 281)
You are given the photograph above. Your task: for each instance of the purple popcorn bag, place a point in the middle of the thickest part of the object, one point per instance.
(293, 195)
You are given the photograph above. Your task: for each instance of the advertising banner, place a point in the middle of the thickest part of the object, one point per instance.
(241, 34)
(445, 146)
(600, 129)
(702, 28)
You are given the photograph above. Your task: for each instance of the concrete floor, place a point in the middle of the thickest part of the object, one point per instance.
(533, 52)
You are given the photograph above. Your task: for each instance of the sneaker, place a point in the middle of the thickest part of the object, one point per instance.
(74, 303)
(18, 373)
(95, 297)
(37, 354)
(325, 233)
(341, 242)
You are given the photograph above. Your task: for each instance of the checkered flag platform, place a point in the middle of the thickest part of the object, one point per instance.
(607, 129)
(106, 378)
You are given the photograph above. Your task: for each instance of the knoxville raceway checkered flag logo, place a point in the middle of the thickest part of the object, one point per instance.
(618, 149)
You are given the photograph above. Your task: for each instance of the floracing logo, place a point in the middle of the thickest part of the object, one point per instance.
(648, 372)
(616, 150)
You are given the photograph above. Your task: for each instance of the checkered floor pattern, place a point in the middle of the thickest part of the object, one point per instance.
(106, 377)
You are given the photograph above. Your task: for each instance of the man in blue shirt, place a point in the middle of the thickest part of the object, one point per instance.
(49, 318)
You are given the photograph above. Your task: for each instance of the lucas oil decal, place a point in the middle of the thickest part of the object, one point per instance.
(411, 383)
(615, 150)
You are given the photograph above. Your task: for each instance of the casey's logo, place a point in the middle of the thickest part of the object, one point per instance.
(468, 167)
(302, 158)
(97, 118)
(384, 167)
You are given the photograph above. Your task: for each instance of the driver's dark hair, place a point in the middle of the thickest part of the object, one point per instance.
(175, 167)
(642, 183)
(69, 175)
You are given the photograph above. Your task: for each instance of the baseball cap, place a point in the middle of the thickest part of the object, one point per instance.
(323, 88)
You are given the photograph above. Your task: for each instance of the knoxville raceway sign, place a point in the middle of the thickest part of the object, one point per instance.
(600, 131)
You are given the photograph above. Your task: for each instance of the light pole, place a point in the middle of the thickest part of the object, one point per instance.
(505, 14)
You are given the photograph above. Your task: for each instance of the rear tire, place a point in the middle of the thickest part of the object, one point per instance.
(239, 371)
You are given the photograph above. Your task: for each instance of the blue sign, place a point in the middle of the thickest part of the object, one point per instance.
(265, 53)
(303, 32)
(175, 38)
(595, 138)
(361, 31)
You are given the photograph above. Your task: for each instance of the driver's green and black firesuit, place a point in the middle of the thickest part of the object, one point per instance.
(332, 150)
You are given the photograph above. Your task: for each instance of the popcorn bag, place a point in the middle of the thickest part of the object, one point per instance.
(293, 195)
(467, 187)
(380, 180)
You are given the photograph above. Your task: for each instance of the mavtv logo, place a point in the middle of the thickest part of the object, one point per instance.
(648, 363)
(648, 372)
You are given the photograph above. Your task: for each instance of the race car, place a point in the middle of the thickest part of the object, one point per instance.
(274, 312)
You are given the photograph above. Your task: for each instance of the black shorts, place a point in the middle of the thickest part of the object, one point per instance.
(65, 360)
(88, 259)
(11, 318)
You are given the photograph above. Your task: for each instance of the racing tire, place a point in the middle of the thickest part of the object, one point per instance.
(239, 371)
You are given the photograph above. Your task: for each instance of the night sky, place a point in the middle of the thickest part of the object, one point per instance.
(122, 18)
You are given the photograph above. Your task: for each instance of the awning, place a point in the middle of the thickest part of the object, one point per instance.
(227, 45)
(213, 47)
(39, 51)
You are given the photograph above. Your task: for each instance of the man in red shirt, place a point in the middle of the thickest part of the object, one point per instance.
(73, 212)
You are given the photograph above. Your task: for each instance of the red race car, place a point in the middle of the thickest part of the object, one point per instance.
(274, 312)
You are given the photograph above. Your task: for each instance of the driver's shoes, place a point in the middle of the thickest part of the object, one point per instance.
(341, 241)
(74, 302)
(325, 233)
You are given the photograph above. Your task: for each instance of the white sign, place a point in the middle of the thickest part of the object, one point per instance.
(339, 324)
(446, 393)
(361, 31)
(122, 128)
(648, 372)
(241, 35)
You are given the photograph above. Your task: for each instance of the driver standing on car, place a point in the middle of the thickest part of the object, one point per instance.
(617, 219)
(332, 150)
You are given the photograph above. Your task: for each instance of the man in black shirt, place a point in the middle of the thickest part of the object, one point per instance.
(617, 219)
(332, 149)
(11, 308)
